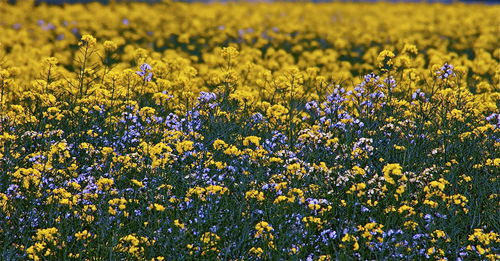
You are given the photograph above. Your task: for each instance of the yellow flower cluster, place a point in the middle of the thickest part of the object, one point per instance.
(133, 245)
(174, 135)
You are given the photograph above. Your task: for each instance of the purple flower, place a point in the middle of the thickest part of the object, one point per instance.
(311, 104)
(418, 94)
(145, 72)
(206, 97)
(391, 82)
(494, 118)
(257, 117)
(445, 71)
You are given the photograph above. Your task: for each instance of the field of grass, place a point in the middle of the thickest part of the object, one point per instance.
(249, 131)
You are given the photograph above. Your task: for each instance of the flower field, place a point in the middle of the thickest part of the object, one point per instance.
(249, 131)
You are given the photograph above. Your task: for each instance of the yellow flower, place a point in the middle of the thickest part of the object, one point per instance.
(219, 144)
(209, 238)
(104, 184)
(277, 112)
(110, 46)
(87, 40)
(350, 238)
(137, 183)
(157, 207)
(262, 227)
(310, 219)
(216, 189)
(229, 53)
(410, 49)
(46, 234)
(179, 224)
(384, 60)
(390, 170)
(257, 251)
(279, 199)
(358, 171)
(82, 235)
(184, 146)
(52, 61)
(255, 194)
(250, 140)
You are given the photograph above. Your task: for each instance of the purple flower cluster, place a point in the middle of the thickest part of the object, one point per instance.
(145, 72)
(445, 72)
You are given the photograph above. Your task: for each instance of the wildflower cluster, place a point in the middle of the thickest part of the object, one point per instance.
(305, 131)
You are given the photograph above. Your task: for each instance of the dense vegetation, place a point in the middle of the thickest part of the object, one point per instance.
(248, 131)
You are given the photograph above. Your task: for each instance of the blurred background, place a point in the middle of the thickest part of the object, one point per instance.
(155, 1)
